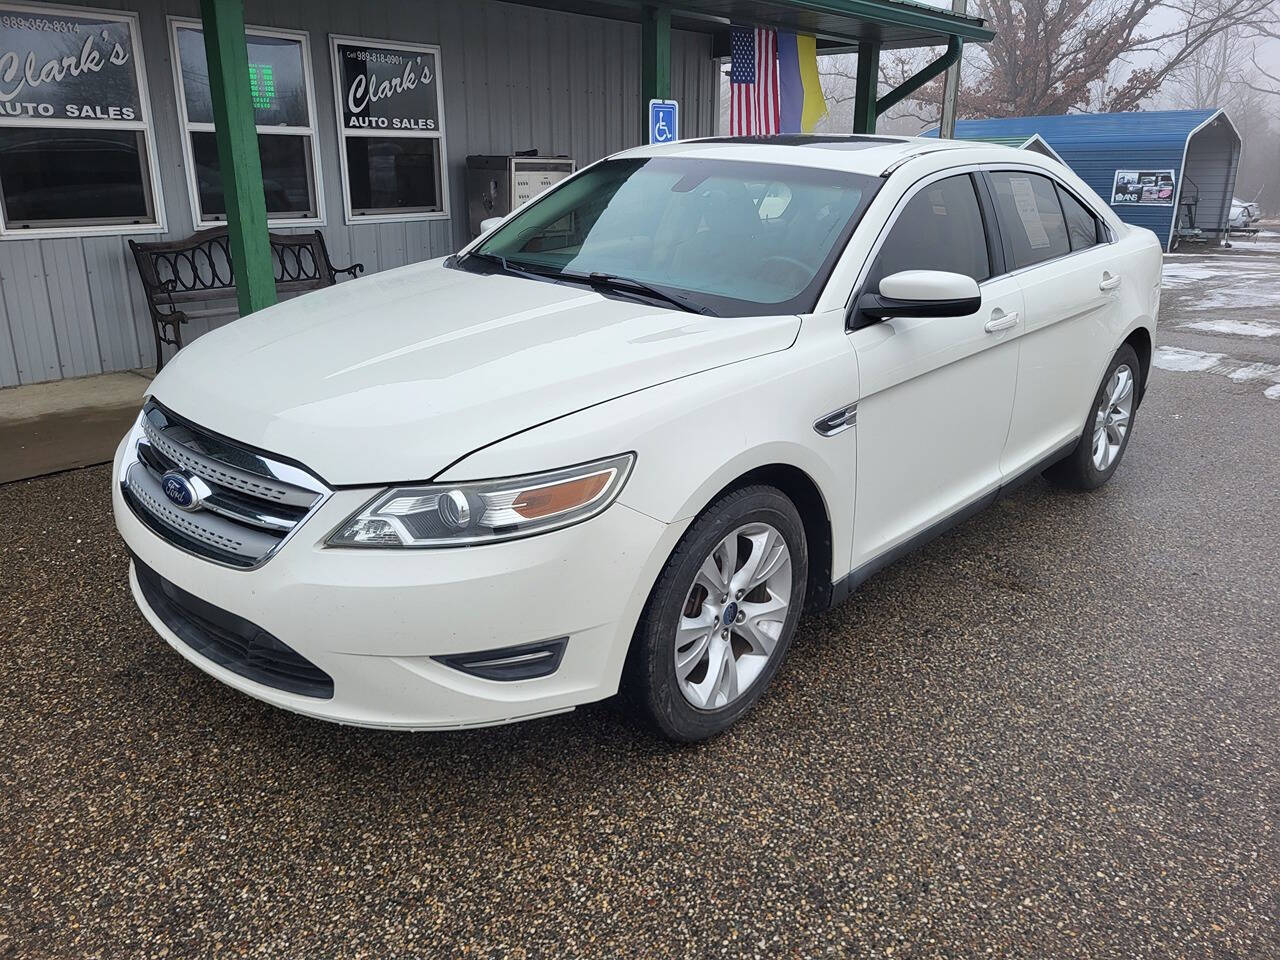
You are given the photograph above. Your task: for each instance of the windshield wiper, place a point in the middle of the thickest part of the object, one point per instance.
(509, 267)
(612, 281)
(608, 281)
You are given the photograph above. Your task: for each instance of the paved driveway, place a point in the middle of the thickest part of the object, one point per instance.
(1053, 733)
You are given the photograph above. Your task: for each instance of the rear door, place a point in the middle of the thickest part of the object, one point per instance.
(1060, 255)
(936, 393)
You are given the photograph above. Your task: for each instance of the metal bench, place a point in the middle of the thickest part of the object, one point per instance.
(197, 270)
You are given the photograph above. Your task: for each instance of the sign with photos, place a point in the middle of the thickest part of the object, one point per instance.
(1154, 188)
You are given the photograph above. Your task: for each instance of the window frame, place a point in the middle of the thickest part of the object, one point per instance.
(1097, 223)
(991, 223)
(186, 127)
(1106, 234)
(336, 64)
(995, 249)
(990, 227)
(145, 125)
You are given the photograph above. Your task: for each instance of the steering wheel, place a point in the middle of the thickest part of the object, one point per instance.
(803, 273)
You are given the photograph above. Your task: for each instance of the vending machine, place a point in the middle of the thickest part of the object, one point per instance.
(496, 185)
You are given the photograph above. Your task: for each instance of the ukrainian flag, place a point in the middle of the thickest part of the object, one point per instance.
(801, 93)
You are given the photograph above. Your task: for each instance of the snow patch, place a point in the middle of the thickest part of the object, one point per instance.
(1177, 274)
(1238, 328)
(1254, 371)
(1182, 360)
(1185, 361)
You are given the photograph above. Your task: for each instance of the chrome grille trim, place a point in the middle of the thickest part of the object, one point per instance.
(220, 534)
(251, 502)
(225, 475)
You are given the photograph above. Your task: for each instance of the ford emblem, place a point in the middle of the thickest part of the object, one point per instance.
(182, 493)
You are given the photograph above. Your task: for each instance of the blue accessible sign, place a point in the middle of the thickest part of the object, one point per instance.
(664, 121)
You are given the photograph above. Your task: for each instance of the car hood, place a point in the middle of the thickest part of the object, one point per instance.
(395, 376)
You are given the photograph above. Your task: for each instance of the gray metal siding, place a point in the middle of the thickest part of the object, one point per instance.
(1213, 155)
(515, 78)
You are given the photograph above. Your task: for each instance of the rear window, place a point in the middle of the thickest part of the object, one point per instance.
(1031, 218)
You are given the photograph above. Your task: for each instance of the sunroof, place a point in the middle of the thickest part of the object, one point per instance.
(829, 142)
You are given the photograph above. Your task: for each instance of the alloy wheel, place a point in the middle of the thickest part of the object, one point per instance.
(733, 615)
(1111, 419)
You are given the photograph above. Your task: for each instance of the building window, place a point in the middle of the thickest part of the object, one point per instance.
(77, 153)
(391, 126)
(283, 93)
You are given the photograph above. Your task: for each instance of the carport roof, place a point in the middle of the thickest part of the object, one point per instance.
(894, 24)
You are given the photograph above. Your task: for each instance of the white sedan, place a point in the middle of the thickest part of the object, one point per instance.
(626, 437)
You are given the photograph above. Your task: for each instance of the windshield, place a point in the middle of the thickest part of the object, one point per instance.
(733, 237)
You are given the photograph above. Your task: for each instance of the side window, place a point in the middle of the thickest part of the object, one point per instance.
(1030, 217)
(1082, 226)
(940, 228)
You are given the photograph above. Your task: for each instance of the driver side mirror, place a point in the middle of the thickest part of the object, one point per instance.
(488, 223)
(922, 293)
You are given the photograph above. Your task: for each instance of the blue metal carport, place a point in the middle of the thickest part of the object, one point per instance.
(1201, 147)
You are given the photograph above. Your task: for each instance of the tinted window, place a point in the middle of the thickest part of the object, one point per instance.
(277, 79)
(58, 177)
(1082, 226)
(1030, 217)
(393, 174)
(940, 228)
(286, 175)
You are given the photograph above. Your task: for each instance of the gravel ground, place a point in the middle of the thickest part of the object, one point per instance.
(1053, 733)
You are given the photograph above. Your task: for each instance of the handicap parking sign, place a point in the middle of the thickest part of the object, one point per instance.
(664, 121)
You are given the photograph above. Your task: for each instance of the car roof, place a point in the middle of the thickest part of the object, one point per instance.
(857, 153)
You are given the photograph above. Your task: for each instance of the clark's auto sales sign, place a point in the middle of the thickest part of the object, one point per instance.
(60, 67)
(388, 87)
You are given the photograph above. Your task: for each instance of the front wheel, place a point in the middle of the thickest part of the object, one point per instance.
(720, 618)
(1106, 433)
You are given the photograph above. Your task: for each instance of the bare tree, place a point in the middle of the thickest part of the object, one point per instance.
(1049, 55)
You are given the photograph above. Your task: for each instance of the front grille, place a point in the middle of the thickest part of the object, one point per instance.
(248, 504)
(231, 641)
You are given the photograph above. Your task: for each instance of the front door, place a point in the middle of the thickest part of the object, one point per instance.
(936, 393)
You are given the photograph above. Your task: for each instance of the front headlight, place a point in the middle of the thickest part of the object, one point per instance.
(458, 514)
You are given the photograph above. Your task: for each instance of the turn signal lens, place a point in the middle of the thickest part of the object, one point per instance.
(548, 501)
(450, 515)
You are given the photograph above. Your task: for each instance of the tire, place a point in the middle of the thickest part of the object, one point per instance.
(1082, 469)
(682, 597)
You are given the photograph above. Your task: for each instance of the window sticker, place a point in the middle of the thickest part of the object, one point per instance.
(1024, 199)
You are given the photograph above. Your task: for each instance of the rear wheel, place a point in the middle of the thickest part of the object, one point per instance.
(1107, 431)
(720, 618)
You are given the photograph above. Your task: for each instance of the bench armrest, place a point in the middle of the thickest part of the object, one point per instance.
(168, 287)
(353, 271)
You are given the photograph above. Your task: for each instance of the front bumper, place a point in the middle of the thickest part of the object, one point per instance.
(373, 619)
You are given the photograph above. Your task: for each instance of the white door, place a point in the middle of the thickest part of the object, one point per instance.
(937, 393)
(1071, 290)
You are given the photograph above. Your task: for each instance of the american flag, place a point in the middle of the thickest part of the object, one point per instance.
(753, 83)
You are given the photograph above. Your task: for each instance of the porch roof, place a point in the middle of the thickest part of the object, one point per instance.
(893, 24)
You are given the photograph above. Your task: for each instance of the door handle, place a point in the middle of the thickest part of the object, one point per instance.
(1001, 321)
(1109, 281)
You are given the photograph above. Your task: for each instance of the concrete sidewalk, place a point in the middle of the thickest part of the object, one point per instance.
(49, 427)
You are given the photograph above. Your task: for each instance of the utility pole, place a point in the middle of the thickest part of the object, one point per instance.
(951, 86)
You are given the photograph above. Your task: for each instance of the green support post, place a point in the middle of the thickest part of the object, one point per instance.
(865, 87)
(238, 160)
(655, 62)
